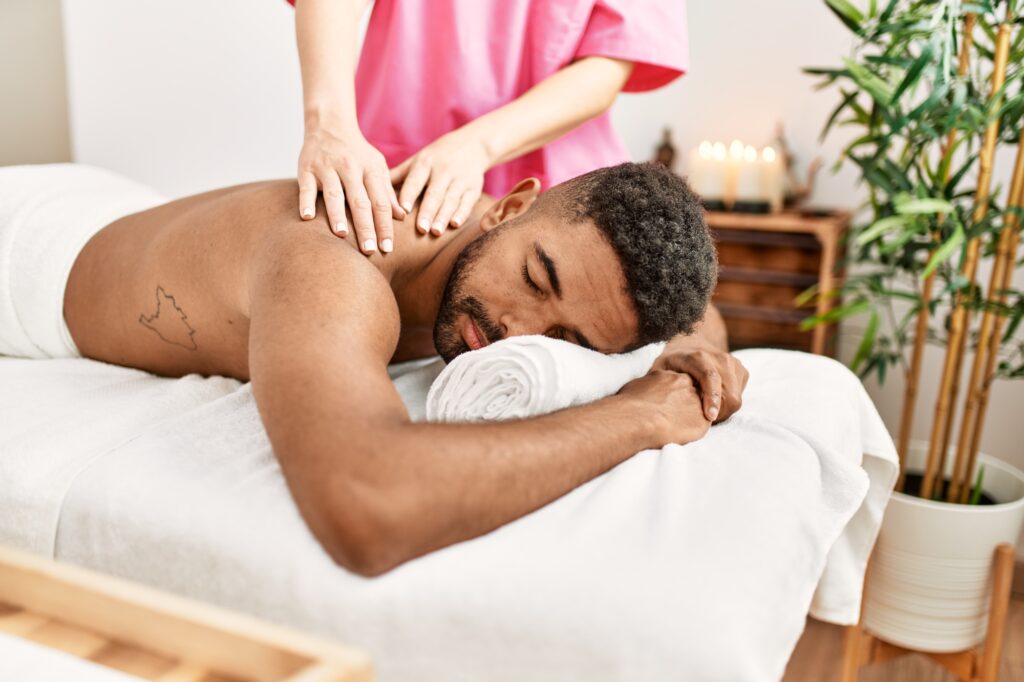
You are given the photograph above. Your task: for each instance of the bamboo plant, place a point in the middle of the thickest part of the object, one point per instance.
(934, 91)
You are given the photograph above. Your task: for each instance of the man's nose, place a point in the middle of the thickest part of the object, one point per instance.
(520, 325)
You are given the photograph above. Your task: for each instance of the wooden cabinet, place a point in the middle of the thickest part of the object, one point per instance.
(765, 261)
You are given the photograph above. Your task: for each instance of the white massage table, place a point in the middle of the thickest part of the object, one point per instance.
(695, 562)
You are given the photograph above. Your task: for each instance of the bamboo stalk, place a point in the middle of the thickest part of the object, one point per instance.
(921, 328)
(960, 471)
(991, 333)
(960, 316)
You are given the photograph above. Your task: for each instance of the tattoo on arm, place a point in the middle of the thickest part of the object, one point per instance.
(169, 321)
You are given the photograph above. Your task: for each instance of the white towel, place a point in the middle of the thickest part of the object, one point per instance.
(525, 376)
(47, 214)
(532, 375)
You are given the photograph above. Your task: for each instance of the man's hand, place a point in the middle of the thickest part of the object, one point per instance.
(721, 377)
(669, 400)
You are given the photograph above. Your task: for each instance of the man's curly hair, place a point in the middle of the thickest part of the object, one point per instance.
(656, 225)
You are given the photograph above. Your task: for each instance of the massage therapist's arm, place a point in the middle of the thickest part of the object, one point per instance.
(375, 489)
(452, 167)
(335, 156)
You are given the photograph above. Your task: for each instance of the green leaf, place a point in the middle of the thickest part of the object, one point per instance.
(847, 13)
(805, 296)
(942, 174)
(880, 227)
(1012, 327)
(914, 72)
(871, 83)
(834, 314)
(867, 342)
(914, 206)
(942, 253)
(847, 98)
(823, 71)
(958, 176)
(976, 493)
(887, 12)
(897, 243)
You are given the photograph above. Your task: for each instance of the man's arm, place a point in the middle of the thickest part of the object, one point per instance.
(375, 488)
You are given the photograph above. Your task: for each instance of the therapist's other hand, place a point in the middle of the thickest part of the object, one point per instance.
(347, 167)
(720, 377)
(451, 168)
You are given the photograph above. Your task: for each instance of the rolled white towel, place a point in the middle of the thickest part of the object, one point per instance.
(523, 376)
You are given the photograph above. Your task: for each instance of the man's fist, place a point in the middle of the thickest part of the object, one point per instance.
(720, 377)
(670, 403)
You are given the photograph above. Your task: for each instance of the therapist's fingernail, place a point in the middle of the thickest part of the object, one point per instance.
(307, 213)
(714, 413)
(342, 229)
(370, 245)
(435, 229)
(457, 221)
(407, 206)
(422, 225)
(386, 245)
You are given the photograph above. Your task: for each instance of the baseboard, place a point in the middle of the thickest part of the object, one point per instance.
(1018, 579)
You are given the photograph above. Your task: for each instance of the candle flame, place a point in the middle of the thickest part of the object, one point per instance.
(736, 149)
(719, 151)
(749, 154)
(768, 154)
(705, 150)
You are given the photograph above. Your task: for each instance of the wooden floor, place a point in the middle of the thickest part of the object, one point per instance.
(819, 653)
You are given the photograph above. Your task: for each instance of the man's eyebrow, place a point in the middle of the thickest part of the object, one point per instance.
(582, 340)
(549, 265)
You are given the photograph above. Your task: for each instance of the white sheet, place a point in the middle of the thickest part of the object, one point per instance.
(694, 562)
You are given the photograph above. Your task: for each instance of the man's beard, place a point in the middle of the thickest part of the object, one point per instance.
(454, 302)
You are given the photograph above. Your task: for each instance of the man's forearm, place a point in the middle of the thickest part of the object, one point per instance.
(710, 331)
(427, 486)
(469, 479)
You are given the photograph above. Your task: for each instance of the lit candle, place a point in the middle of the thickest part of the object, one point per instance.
(707, 176)
(750, 193)
(771, 178)
(732, 167)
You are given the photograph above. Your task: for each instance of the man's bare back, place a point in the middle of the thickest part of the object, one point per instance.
(167, 289)
(233, 282)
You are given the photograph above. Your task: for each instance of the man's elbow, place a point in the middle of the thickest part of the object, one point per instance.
(365, 541)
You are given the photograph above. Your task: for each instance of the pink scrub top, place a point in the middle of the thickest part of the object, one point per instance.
(428, 67)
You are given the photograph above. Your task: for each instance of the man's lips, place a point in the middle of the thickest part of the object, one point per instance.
(475, 338)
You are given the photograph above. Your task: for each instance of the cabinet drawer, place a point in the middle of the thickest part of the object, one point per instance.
(781, 252)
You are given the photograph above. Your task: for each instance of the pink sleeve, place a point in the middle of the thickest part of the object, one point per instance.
(650, 33)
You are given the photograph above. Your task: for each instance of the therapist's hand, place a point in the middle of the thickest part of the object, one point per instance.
(451, 168)
(347, 167)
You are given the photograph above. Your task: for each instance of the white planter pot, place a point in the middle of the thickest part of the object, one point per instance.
(931, 570)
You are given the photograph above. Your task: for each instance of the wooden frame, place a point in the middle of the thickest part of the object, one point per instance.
(827, 230)
(155, 635)
(977, 664)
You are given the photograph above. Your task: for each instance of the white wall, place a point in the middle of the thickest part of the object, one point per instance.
(192, 95)
(187, 95)
(34, 111)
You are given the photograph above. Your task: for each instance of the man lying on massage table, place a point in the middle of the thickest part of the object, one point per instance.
(231, 282)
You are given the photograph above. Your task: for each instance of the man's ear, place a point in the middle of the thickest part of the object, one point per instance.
(516, 202)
